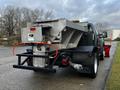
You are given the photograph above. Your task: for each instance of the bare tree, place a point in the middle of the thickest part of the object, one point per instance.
(9, 20)
(12, 19)
(35, 14)
(29, 15)
(48, 14)
(17, 20)
(45, 15)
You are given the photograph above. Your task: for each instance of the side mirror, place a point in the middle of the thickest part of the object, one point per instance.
(104, 34)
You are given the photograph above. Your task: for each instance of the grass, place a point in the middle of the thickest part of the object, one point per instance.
(114, 79)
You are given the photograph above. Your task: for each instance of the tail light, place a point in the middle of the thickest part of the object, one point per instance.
(33, 29)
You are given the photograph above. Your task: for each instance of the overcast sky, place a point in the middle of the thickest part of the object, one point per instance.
(85, 10)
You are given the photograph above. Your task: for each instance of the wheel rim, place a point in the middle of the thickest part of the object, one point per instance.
(95, 66)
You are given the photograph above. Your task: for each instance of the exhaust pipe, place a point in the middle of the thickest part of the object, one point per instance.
(76, 66)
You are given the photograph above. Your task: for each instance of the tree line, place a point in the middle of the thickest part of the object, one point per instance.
(12, 19)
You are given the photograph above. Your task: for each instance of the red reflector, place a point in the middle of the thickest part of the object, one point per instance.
(33, 29)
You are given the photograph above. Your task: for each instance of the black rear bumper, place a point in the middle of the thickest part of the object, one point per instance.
(34, 68)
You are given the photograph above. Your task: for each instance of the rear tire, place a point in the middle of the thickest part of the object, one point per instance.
(94, 67)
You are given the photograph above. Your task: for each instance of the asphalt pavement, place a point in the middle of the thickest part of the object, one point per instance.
(63, 79)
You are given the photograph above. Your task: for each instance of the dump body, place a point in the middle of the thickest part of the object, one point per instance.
(62, 33)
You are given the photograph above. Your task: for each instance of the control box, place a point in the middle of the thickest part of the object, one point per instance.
(31, 34)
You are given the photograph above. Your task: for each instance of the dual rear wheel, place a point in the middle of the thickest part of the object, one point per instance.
(94, 66)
